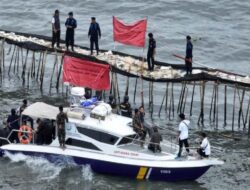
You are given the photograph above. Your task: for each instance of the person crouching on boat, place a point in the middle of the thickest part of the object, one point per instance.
(155, 140)
(183, 134)
(61, 118)
(126, 107)
(39, 131)
(138, 127)
(204, 151)
(13, 124)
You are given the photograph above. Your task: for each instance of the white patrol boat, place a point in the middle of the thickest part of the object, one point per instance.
(108, 144)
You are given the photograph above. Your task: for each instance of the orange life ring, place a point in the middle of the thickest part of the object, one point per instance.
(25, 134)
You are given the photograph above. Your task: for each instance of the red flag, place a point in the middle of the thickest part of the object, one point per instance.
(130, 34)
(86, 73)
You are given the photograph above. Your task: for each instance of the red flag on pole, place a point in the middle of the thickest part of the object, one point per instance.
(86, 73)
(130, 34)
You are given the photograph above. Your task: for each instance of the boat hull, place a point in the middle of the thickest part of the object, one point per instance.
(120, 169)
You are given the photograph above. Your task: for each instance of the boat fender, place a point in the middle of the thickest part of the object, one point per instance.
(25, 134)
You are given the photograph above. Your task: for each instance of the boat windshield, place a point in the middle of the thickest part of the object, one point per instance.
(98, 135)
(127, 139)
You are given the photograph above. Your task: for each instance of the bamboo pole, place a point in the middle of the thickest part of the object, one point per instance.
(166, 104)
(202, 94)
(211, 105)
(225, 106)
(183, 95)
(192, 99)
(179, 103)
(215, 100)
(233, 108)
(248, 107)
(185, 100)
(240, 109)
(11, 60)
(217, 106)
(43, 71)
(59, 74)
(53, 70)
(24, 66)
(135, 88)
(39, 64)
(118, 93)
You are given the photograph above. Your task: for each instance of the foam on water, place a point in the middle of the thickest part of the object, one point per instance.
(45, 169)
(87, 173)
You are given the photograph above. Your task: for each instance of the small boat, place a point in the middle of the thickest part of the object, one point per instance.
(107, 143)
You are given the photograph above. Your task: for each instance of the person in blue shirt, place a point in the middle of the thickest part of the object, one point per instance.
(94, 34)
(189, 56)
(151, 52)
(71, 25)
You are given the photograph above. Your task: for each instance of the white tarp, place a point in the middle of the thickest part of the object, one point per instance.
(41, 110)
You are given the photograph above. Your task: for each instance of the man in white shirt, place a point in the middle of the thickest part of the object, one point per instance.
(183, 134)
(205, 149)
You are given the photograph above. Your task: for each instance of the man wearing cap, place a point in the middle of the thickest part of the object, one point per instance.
(56, 31)
(151, 52)
(94, 34)
(189, 56)
(70, 24)
(183, 134)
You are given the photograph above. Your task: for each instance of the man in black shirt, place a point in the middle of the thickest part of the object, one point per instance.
(94, 34)
(151, 52)
(56, 31)
(189, 56)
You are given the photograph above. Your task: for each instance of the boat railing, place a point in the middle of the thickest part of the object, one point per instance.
(7, 139)
(171, 146)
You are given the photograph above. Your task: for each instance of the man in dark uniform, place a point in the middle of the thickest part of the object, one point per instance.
(151, 52)
(189, 56)
(61, 118)
(155, 140)
(126, 108)
(94, 34)
(56, 31)
(13, 124)
(25, 117)
(70, 24)
(138, 127)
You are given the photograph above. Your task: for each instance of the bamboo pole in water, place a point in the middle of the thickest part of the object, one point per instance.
(211, 105)
(118, 93)
(183, 96)
(217, 106)
(248, 107)
(39, 64)
(59, 74)
(240, 109)
(43, 71)
(234, 108)
(166, 103)
(24, 66)
(202, 94)
(225, 106)
(53, 70)
(185, 100)
(192, 99)
(11, 60)
(179, 103)
(215, 101)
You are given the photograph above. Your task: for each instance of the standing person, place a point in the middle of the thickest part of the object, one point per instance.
(71, 25)
(125, 107)
(151, 52)
(25, 117)
(13, 124)
(61, 118)
(138, 127)
(205, 149)
(56, 30)
(183, 134)
(148, 128)
(189, 56)
(94, 34)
